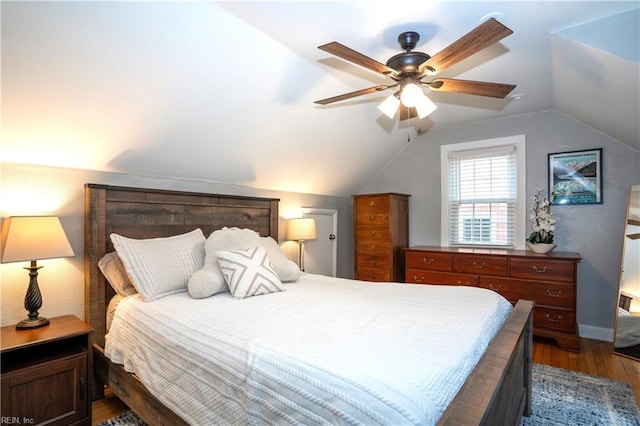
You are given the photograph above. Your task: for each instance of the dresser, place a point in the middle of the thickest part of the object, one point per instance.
(46, 373)
(550, 280)
(381, 233)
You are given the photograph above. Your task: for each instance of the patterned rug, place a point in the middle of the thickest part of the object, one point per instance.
(564, 397)
(560, 398)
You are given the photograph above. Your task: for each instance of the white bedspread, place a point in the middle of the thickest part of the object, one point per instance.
(325, 351)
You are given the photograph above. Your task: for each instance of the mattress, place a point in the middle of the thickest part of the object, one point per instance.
(324, 351)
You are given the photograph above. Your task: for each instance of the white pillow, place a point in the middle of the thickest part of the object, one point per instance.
(209, 280)
(111, 267)
(248, 272)
(286, 269)
(161, 266)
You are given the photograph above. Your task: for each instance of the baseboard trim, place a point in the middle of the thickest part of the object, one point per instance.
(596, 333)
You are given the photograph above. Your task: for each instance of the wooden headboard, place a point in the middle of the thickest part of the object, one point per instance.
(149, 213)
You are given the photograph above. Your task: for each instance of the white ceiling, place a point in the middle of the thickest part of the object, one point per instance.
(224, 91)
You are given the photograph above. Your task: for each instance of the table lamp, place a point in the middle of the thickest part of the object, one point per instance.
(301, 230)
(33, 238)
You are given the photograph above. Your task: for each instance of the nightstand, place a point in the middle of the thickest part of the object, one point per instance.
(47, 373)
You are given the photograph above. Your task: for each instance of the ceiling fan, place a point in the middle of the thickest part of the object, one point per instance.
(409, 70)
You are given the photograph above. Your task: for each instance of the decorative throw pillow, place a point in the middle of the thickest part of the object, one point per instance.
(286, 269)
(209, 280)
(248, 272)
(161, 266)
(111, 267)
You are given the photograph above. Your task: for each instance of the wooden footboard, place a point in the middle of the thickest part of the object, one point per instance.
(498, 391)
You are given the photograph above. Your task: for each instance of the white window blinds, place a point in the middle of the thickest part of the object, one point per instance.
(482, 196)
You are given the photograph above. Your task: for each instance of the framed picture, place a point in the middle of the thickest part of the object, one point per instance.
(576, 177)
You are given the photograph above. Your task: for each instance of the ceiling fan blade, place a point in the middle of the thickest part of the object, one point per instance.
(352, 94)
(351, 55)
(484, 35)
(470, 87)
(407, 112)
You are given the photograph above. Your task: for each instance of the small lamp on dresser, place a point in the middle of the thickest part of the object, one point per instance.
(301, 230)
(33, 238)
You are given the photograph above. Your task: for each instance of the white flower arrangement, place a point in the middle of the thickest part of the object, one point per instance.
(543, 222)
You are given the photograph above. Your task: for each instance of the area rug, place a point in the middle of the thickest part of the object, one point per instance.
(564, 397)
(560, 398)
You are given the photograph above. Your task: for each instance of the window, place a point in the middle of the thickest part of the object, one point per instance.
(483, 193)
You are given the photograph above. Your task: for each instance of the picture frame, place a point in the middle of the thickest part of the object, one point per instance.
(575, 177)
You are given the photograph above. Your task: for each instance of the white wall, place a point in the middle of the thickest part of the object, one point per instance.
(28, 189)
(592, 230)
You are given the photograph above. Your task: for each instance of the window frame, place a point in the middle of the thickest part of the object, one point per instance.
(520, 213)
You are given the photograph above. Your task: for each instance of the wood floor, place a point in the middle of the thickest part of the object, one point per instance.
(596, 358)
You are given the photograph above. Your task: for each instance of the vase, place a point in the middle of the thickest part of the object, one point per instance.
(541, 248)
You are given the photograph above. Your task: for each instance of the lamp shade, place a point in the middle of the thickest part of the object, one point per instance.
(301, 229)
(390, 105)
(28, 238)
(425, 106)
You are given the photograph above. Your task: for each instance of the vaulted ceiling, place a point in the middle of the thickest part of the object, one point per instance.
(225, 91)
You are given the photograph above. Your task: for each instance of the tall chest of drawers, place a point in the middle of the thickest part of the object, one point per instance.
(381, 233)
(548, 279)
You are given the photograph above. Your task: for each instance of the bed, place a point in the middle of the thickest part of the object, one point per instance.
(497, 391)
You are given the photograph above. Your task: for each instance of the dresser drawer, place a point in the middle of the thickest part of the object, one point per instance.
(432, 261)
(378, 233)
(542, 269)
(372, 218)
(543, 293)
(421, 276)
(554, 319)
(373, 274)
(483, 265)
(374, 261)
(368, 247)
(376, 203)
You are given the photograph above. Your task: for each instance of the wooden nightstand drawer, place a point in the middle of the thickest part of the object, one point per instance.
(47, 372)
(554, 319)
(482, 265)
(542, 269)
(429, 260)
(421, 276)
(22, 388)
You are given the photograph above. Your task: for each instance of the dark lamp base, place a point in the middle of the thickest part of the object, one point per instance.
(29, 323)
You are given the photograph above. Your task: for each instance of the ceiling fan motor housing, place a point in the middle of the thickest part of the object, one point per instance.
(406, 63)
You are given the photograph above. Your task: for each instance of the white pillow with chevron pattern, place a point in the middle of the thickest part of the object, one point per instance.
(248, 272)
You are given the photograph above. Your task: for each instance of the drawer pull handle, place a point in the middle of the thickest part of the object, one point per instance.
(538, 270)
(373, 248)
(83, 388)
(373, 233)
(495, 288)
(480, 266)
(374, 276)
(552, 294)
(372, 203)
(415, 278)
(428, 261)
(373, 262)
(554, 319)
(372, 218)
(461, 283)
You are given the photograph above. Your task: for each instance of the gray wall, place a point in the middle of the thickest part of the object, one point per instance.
(28, 189)
(595, 231)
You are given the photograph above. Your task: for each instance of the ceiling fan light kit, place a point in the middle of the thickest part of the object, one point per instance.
(409, 68)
